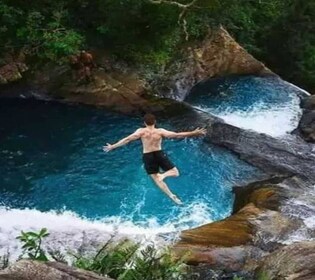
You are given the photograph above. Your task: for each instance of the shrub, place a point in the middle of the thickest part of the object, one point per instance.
(32, 242)
(127, 261)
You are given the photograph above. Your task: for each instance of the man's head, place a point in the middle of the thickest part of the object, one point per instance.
(149, 119)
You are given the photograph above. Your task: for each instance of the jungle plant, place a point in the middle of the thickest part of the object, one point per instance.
(127, 261)
(32, 244)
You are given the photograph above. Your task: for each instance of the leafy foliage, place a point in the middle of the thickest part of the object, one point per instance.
(32, 242)
(280, 32)
(127, 261)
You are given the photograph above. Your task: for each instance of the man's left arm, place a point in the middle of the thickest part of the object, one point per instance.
(132, 137)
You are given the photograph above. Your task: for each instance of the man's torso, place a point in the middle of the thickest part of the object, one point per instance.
(151, 139)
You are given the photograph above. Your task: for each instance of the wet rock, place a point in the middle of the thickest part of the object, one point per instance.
(235, 230)
(118, 91)
(294, 262)
(259, 225)
(263, 194)
(307, 125)
(223, 244)
(216, 56)
(32, 270)
(285, 156)
(308, 103)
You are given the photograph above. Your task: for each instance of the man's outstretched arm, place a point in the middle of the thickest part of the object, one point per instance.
(134, 136)
(172, 134)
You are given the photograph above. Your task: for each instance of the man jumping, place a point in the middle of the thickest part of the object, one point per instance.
(153, 156)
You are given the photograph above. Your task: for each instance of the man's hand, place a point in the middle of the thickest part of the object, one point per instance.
(108, 147)
(200, 131)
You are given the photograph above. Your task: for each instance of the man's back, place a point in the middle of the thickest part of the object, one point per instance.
(151, 139)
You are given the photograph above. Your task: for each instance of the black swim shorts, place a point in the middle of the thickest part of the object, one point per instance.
(153, 161)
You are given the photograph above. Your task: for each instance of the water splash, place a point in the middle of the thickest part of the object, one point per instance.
(70, 232)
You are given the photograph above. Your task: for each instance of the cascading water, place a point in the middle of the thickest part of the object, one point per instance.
(265, 104)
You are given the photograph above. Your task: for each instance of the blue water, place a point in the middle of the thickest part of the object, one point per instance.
(51, 158)
(264, 104)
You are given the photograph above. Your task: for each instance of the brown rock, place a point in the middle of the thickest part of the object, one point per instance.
(293, 262)
(32, 270)
(239, 241)
(217, 55)
(122, 92)
(235, 230)
(12, 67)
(220, 244)
(264, 194)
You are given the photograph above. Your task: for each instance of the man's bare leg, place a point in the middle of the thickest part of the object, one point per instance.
(164, 188)
(170, 173)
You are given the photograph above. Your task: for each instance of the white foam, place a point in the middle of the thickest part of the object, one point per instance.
(301, 207)
(69, 232)
(274, 120)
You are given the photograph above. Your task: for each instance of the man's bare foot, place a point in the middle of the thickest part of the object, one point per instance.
(176, 199)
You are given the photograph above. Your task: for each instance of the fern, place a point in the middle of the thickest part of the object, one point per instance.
(126, 261)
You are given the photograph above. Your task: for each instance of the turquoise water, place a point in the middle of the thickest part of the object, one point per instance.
(265, 104)
(51, 158)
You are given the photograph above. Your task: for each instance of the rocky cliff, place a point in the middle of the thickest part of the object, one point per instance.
(125, 90)
(216, 56)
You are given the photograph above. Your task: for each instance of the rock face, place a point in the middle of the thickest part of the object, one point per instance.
(122, 89)
(306, 126)
(294, 262)
(119, 91)
(32, 270)
(257, 227)
(217, 55)
(283, 156)
(11, 68)
(308, 103)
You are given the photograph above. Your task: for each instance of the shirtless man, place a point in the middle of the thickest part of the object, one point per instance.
(153, 156)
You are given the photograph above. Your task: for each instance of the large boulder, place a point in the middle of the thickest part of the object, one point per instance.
(257, 227)
(32, 270)
(124, 92)
(293, 262)
(307, 125)
(216, 56)
(286, 156)
(308, 103)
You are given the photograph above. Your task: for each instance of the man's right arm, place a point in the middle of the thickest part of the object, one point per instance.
(172, 134)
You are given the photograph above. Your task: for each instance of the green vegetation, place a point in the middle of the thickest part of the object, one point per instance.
(279, 32)
(32, 244)
(123, 261)
(128, 261)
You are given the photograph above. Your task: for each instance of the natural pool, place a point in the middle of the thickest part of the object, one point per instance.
(54, 173)
(51, 158)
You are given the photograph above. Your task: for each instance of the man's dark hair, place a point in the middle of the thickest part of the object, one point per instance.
(149, 119)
